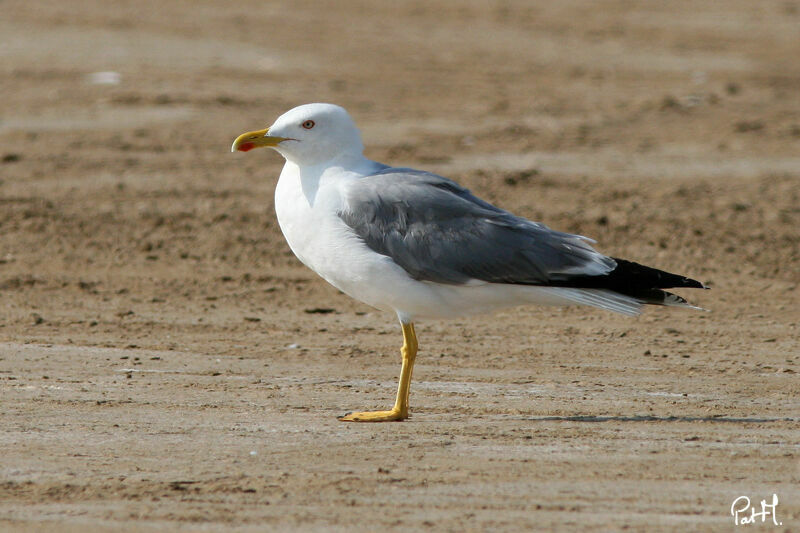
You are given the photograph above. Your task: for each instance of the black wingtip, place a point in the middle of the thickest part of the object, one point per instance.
(633, 279)
(692, 284)
(649, 277)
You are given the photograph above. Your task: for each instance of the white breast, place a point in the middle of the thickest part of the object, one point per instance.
(324, 243)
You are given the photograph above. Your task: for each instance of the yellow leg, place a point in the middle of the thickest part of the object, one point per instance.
(400, 409)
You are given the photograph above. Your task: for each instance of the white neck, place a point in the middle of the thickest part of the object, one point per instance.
(343, 167)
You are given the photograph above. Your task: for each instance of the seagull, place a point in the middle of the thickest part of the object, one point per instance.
(422, 246)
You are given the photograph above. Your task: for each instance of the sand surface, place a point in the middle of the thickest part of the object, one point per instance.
(167, 364)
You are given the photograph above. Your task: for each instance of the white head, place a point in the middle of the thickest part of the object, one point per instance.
(307, 135)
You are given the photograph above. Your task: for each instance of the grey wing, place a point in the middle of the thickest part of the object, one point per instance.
(438, 231)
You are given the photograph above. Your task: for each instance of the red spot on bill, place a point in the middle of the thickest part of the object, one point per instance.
(244, 147)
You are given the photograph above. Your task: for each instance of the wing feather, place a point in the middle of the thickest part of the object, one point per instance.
(438, 231)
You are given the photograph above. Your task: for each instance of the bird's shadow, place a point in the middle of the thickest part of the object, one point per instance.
(651, 418)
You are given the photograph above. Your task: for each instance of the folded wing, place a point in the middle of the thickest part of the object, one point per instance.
(438, 231)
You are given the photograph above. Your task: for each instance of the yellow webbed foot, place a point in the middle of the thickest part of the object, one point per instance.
(400, 409)
(394, 415)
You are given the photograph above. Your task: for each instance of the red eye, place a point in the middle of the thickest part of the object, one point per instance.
(308, 124)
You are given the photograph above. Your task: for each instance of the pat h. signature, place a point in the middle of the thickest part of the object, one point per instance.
(741, 506)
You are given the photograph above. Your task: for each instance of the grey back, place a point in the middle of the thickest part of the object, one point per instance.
(438, 231)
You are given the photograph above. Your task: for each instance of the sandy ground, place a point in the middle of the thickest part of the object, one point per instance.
(167, 364)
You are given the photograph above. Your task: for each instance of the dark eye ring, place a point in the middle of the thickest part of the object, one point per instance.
(308, 124)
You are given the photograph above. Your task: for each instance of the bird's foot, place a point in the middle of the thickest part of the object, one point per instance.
(395, 415)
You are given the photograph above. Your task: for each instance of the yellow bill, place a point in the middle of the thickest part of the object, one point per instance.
(254, 139)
